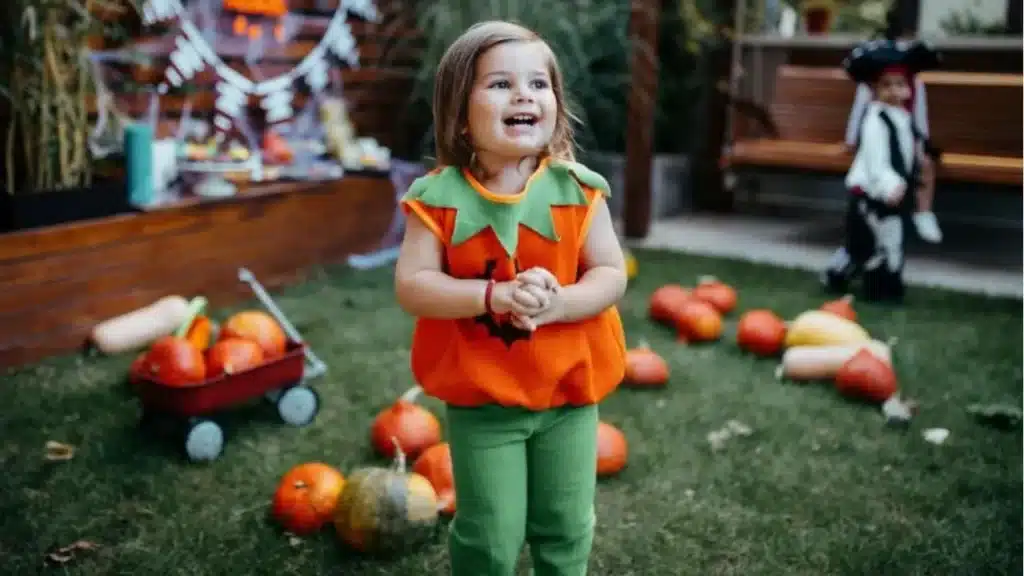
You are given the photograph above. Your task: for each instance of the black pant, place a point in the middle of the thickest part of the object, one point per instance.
(873, 250)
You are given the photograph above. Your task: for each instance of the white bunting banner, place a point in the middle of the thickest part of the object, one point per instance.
(193, 54)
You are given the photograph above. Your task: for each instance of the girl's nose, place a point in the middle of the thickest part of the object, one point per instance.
(523, 95)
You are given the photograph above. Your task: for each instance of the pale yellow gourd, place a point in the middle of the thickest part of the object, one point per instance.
(818, 328)
(823, 362)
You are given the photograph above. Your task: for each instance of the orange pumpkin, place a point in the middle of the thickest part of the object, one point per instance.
(717, 293)
(612, 449)
(761, 332)
(175, 362)
(843, 307)
(306, 497)
(413, 427)
(259, 327)
(200, 332)
(231, 356)
(866, 377)
(666, 301)
(645, 368)
(435, 464)
(698, 321)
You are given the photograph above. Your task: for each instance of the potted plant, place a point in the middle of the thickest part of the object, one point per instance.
(46, 84)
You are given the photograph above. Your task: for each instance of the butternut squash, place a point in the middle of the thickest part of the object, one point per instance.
(818, 328)
(139, 328)
(823, 362)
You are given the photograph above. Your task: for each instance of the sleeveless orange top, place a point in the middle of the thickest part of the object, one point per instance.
(483, 360)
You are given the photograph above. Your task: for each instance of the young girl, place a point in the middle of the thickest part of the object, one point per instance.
(884, 170)
(925, 223)
(512, 268)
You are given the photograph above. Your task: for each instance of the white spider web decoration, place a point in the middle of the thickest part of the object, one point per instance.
(192, 53)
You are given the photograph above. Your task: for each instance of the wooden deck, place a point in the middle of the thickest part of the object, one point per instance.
(57, 283)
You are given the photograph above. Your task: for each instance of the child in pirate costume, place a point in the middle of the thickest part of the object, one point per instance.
(885, 171)
(925, 223)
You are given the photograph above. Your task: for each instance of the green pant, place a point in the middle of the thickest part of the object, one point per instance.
(522, 476)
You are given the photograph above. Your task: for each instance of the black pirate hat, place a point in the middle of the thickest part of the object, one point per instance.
(869, 60)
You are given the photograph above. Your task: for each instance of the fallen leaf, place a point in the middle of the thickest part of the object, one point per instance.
(936, 435)
(898, 412)
(717, 439)
(66, 554)
(739, 428)
(59, 452)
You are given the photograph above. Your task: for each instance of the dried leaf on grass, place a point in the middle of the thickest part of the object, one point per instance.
(936, 436)
(732, 429)
(899, 412)
(66, 554)
(59, 452)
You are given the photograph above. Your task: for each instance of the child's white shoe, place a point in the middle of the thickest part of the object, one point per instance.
(927, 227)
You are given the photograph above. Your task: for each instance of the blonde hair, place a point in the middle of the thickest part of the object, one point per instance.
(454, 80)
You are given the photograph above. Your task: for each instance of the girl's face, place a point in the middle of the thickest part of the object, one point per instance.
(512, 107)
(892, 88)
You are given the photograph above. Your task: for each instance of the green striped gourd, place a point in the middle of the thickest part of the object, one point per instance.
(386, 510)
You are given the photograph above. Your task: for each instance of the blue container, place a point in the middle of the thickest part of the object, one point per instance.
(138, 157)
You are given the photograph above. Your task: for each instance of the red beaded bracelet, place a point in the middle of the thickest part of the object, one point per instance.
(487, 296)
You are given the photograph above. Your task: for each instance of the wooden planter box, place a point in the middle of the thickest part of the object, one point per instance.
(105, 197)
(57, 282)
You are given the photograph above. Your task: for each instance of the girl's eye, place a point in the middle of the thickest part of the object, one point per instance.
(503, 84)
(539, 84)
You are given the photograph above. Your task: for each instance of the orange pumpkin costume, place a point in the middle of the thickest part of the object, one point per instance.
(484, 360)
(522, 407)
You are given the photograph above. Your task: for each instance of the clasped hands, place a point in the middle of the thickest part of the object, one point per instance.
(533, 299)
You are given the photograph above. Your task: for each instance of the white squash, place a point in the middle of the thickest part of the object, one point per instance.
(823, 362)
(139, 328)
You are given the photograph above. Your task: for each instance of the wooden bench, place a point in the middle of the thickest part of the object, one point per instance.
(975, 118)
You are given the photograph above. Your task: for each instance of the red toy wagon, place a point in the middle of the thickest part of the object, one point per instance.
(282, 381)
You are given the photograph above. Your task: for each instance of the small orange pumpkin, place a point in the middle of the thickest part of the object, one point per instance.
(761, 332)
(645, 368)
(175, 361)
(666, 301)
(259, 327)
(698, 321)
(843, 307)
(409, 425)
(435, 464)
(231, 356)
(717, 293)
(306, 497)
(200, 332)
(612, 449)
(866, 377)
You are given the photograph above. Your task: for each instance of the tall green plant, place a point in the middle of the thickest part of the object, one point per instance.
(589, 38)
(46, 80)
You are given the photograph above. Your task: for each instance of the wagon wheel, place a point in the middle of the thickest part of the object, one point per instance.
(298, 405)
(204, 440)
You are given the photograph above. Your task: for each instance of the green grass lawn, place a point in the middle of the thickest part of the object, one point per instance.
(821, 487)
